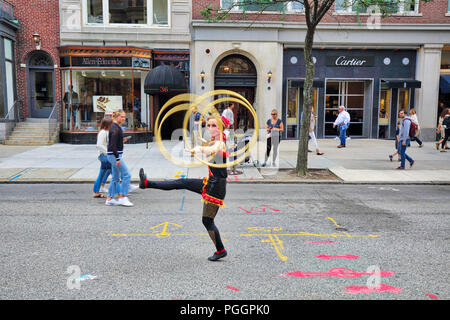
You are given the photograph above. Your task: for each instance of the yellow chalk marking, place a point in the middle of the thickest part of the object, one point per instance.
(164, 233)
(269, 233)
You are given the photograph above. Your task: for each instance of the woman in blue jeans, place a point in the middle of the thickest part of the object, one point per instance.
(118, 166)
(105, 166)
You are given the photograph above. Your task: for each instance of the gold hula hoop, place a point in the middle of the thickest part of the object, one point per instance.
(192, 101)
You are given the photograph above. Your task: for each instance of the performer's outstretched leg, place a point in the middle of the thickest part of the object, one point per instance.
(194, 185)
(209, 213)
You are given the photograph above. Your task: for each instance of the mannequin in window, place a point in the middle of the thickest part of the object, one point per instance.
(71, 97)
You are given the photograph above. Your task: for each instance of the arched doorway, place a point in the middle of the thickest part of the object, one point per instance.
(237, 73)
(41, 84)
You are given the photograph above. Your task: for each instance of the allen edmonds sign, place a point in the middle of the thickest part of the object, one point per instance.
(349, 61)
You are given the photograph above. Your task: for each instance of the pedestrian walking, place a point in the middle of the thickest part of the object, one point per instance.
(397, 144)
(105, 166)
(440, 130)
(342, 122)
(118, 166)
(413, 117)
(229, 114)
(404, 139)
(274, 127)
(312, 135)
(212, 189)
(446, 127)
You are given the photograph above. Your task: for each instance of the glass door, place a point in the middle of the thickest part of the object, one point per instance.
(41, 93)
(350, 94)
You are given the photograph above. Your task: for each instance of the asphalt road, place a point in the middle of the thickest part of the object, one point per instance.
(284, 241)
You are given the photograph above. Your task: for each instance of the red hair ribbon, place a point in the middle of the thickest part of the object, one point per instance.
(226, 121)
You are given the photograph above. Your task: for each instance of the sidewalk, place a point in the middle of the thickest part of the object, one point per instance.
(362, 161)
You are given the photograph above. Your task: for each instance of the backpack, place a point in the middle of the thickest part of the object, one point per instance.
(412, 128)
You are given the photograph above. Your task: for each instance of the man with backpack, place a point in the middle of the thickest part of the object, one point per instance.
(407, 130)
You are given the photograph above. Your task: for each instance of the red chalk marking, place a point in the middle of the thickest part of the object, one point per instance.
(432, 296)
(368, 290)
(261, 208)
(322, 241)
(291, 207)
(263, 205)
(244, 210)
(232, 288)
(336, 272)
(328, 257)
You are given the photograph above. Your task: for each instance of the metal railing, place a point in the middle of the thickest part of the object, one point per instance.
(6, 10)
(53, 120)
(11, 118)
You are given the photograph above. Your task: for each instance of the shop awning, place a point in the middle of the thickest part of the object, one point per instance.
(165, 79)
(317, 83)
(401, 83)
(444, 83)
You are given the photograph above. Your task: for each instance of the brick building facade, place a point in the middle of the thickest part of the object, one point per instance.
(404, 51)
(37, 65)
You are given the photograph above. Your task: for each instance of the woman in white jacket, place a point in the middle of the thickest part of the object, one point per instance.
(413, 117)
(105, 166)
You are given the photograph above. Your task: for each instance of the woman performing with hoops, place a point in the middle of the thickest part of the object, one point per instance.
(212, 189)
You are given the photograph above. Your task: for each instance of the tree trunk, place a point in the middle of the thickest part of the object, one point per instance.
(302, 155)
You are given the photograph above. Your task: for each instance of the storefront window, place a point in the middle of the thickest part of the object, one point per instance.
(96, 93)
(128, 11)
(292, 111)
(95, 11)
(384, 112)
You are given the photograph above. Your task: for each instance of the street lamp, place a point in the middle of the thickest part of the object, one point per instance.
(37, 40)
(269, 76)
(202, 76)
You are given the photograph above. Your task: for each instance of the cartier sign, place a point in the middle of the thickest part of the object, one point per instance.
(349, 61)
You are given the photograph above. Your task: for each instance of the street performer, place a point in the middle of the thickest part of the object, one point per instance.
(212, 188)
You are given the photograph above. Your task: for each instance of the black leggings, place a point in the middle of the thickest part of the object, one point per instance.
(415, 138)
(209, 210)
(447, 136)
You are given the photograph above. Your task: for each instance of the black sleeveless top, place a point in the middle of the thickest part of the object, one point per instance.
(219, 158)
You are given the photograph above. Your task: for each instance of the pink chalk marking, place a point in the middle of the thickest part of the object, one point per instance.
(336, 272)
(266, 206)
(368, 290)
(232, 288)
(321, 241)
(432, 296)
(244, 210)
(291, 207)
(260, 208)
(328, 257)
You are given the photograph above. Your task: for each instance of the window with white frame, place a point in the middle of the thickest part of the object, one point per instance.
(392, 6)
(408, 6)
(249, 5)
(127, 12)
(348, 6)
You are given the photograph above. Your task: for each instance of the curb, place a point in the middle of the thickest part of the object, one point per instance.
(257, 182)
